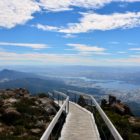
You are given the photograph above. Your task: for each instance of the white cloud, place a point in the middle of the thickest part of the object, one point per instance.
(44, 58)
(18, 12)
(46, 27)
(69, 36)
(134, 49)
(56, 5)
(86, 49)
(93, 21)
(94, 53)
(28, 45)
(14, 12)
(63, 59)
(63, 5)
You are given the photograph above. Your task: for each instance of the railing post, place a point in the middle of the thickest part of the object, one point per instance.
(53, 94)
(62, 99)
(75, 99)
(58, 98)
(68, 107)
(91, 102)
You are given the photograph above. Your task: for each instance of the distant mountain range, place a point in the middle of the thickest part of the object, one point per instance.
(126, 74)
(36, 83)
(13, 75)
(32, 82)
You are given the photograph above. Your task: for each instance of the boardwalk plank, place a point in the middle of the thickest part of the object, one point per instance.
(80, 125)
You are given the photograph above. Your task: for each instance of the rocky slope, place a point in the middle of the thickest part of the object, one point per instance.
(121, 115)
(23, 116)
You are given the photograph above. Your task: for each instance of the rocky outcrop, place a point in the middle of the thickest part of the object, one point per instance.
(23, 115)
(19, 92)
(112, 99)
(116, 105)
(120, 114)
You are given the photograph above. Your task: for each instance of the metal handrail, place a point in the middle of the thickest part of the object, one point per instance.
(111, 127)
(107, 121)
(60, 93)
(48, 131)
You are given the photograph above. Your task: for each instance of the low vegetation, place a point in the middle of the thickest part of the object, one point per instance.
(24, 117)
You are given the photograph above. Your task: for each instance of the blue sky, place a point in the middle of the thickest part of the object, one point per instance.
(67, 32)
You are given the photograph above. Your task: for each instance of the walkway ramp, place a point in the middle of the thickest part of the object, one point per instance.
(79, 125)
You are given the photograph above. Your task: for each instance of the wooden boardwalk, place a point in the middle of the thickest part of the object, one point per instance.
(79, 125)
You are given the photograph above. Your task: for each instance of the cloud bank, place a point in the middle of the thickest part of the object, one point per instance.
(86, 48)
(65, 59)
(93, 21)
(18, 12)
(27, 45)
(15, 12)
(63, 5)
